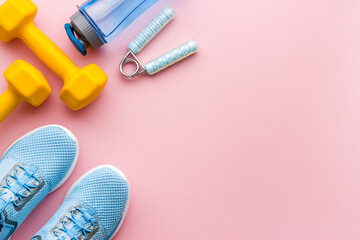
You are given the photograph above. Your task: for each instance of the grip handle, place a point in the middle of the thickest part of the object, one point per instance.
(8, 102)
(48, 51)
(151, 30)
(171, 57)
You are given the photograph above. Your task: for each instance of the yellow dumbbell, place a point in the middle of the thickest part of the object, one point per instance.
(25, 84)
(81, 85)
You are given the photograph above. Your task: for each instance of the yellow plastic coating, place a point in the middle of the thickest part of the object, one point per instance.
(48, 51)
(8, 102)
(25, 84)
(81, 85)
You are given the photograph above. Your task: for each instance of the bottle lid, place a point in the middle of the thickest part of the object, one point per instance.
(82, 34)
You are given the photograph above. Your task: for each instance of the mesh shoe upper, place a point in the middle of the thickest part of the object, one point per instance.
(104, 194)
(30, 169)
(51, 148)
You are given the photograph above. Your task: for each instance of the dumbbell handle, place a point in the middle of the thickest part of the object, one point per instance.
(8, 102)
(47, 51)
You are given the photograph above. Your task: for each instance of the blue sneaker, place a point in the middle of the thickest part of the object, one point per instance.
(35, 165)
(94, 208)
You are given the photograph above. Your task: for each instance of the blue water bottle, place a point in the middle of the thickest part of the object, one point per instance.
(100, 21)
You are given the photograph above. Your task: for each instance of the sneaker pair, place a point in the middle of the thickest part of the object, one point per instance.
(38, 164)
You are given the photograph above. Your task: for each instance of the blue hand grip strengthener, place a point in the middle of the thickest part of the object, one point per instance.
(145, 37)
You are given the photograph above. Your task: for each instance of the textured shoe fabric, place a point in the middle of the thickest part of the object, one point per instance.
(94, 208)
(35, 165)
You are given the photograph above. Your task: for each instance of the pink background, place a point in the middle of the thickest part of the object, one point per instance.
(256, 137)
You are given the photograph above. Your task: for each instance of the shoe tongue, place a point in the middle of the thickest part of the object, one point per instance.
(21, 180)
(70, 225)
(7, 194)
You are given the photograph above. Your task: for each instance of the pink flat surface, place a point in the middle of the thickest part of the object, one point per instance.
(256, 137)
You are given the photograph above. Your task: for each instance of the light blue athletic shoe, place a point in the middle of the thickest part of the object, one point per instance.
(35, 165)
(94, 208)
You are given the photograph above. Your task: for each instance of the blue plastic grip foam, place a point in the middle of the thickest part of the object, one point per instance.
(171, 57)
(151, 30)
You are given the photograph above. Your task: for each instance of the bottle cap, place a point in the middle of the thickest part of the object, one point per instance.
(82, 34)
